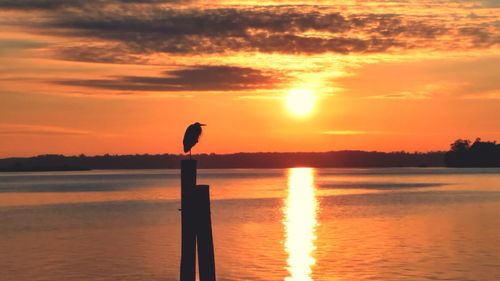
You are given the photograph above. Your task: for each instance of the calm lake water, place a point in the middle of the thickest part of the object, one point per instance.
(283, 224)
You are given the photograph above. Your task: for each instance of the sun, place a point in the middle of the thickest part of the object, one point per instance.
(301, 102)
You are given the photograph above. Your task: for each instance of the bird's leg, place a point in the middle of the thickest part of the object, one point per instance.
(190, 155)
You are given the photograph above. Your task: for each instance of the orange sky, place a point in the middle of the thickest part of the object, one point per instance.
(120, 76)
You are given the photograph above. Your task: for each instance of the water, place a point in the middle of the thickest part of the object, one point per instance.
(283, 224)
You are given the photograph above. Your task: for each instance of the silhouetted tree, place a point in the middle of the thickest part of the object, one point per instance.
(460, 145)
(479, 154)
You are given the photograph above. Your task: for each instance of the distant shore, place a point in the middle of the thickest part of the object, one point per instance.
(462, 154)
(333, 159)
(43, 169)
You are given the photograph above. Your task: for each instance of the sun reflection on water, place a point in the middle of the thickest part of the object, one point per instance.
(300, 223)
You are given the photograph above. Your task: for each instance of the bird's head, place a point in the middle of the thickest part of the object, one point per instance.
(199, 124)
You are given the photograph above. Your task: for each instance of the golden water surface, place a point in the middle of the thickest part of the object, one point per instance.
(279, 224)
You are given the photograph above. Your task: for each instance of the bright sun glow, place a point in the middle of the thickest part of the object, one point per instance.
(300, 102)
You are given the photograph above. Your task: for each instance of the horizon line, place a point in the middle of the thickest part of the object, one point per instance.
(232, 153)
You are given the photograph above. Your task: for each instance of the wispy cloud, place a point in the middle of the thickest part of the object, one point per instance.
(40, 130)
(260, 97)
(344, 132)
(8, 46)
(404, 95)
(426, 79)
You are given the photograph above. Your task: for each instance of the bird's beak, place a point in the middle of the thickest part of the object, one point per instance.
(203, 124)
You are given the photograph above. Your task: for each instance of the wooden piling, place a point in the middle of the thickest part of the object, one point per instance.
(206, 260)
(188, 247)
(196, 226)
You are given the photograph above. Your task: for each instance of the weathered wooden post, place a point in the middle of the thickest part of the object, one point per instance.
(188, 247)
(196, 226)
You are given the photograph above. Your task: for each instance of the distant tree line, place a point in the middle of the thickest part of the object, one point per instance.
(237, 160)
(463, 153)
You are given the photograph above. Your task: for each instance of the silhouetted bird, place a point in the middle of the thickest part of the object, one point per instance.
(191, 137)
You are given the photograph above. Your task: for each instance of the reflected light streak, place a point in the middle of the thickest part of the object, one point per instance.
(300, 223)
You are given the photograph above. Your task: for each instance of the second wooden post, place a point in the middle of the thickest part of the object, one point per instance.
(206, 260)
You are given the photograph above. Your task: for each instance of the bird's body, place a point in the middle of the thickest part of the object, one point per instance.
(191, 137)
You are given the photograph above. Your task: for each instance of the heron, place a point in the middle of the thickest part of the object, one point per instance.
(191, 137)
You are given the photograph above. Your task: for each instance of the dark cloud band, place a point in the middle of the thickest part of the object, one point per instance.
(60, 4)
(268, 30)
(201, 78)
(121, 33)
